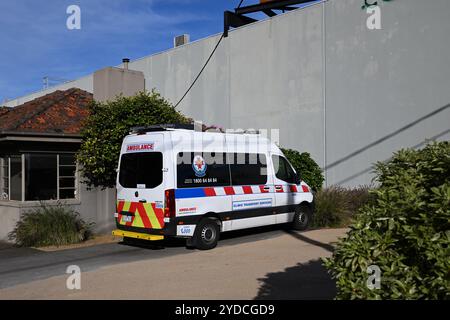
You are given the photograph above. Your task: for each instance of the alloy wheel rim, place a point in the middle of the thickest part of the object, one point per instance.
(208, 234)
(302, 218)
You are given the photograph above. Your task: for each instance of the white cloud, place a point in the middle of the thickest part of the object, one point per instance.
(35, 42)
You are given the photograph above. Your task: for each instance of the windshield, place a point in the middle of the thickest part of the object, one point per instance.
(141, 170)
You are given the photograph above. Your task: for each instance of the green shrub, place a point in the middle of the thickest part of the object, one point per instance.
(106, 126)
(336, 206)
(50, 225)
(404, 230)
(308, 169)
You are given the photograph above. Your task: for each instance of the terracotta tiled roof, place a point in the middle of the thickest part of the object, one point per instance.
(4, 110)
(57, 112)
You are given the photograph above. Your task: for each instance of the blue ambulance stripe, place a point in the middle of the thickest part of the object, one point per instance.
(189, 193)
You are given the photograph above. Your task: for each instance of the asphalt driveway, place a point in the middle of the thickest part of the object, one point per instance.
(263, 263)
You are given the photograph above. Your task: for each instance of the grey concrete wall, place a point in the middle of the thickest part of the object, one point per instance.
(319, 65)
(110, 82)
(265, 75)
(98, 206)
(9, 215)
(94, 205)
(379, 81)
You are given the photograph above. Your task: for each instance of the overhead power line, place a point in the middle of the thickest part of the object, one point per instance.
(204, 66)
(201, 70)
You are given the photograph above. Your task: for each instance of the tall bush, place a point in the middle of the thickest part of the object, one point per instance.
(107, 125)
(308, 169)
(404, 230)
(336, 206)
(50, 225)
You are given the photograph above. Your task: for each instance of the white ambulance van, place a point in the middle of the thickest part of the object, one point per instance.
(175, 181)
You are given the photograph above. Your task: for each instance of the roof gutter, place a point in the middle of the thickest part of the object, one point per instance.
(39, 136)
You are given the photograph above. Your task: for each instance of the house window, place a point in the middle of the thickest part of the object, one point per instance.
(15, 178)
(38, 176)
(4, 178)
(67, 169)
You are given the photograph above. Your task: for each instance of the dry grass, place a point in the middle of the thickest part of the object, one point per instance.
(335, 206)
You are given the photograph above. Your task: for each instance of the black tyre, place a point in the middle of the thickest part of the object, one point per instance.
(131, 241)
(127, 240)
(302, 217)
(206, 234)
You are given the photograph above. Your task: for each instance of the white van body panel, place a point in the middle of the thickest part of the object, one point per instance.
(237, 206)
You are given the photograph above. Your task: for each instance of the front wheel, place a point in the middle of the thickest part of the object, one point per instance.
(206, 234)
(302, 217)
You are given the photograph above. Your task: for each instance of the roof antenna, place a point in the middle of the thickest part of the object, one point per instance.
(52, 81)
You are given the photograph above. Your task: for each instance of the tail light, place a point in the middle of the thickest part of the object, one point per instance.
(169, 203)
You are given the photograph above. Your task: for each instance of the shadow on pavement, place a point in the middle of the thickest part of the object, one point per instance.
(155, 245)
(5, 245)
(306, 281)
(301, 237)
(227, 238)
(11, 251)
(264, 230)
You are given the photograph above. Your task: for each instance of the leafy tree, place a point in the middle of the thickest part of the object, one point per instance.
(404, 230)
(107, 125)
(306, 167)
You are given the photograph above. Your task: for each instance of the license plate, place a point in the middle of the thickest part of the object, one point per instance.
(126, 218)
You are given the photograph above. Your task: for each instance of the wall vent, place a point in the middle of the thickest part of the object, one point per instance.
(180, 40)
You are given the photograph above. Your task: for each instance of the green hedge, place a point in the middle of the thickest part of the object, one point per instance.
(308, 169)
(404, 230)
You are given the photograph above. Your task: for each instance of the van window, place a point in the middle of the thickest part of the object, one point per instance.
(248, 169)
(197, 169)
(283, 169)
(141, 168)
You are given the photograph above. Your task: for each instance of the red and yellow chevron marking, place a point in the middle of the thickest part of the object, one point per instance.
(146, 215)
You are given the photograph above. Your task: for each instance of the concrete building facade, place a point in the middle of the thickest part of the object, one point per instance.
(345, 93)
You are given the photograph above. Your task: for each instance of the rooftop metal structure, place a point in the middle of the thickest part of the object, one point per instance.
(190, 126)
(238, 18)
(161, 127)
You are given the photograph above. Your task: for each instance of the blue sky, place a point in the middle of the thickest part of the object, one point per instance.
(35, 42)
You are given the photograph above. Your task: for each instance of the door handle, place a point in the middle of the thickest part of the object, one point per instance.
(278, 187)
(143, 201)
(266, 188)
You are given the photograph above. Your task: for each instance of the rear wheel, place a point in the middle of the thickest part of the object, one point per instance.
(134, 241)
(302, 217)
(206, 234)
(127, 240)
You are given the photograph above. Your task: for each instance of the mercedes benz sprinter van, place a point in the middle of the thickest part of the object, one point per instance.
(175, 181)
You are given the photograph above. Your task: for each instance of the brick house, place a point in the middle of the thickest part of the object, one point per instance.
(38, 143)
